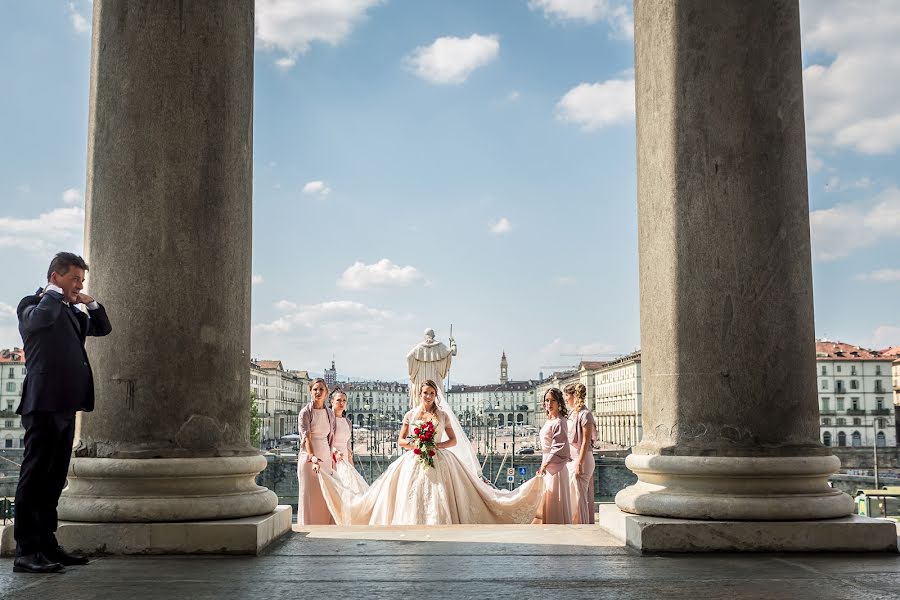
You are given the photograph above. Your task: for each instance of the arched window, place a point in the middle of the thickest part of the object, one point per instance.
(842, 438)
(500, 418)
(880, 440)
(857, 439)
(826, 438)
(359, 419)
(520, 418)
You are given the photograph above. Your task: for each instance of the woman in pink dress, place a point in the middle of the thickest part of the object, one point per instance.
(582, 435)
(316, 424)
(557, 505)
(344, 470)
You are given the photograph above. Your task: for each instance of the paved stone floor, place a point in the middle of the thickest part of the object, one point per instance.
(465, 562)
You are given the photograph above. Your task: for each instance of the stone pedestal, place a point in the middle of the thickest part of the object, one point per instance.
(730, 413)
(168, 240)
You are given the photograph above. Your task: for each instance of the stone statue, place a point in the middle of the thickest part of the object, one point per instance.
(429, 359)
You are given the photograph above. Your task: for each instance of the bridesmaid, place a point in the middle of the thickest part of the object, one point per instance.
(316, 425)
(582, 435)
(341, 451)
(557, 505)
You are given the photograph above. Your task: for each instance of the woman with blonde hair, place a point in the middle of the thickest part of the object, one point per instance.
(341, 451)
(582, 435)
(316, 424)
(429, 484)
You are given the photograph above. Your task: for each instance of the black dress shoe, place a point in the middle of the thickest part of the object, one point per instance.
(62, 557)
(35, 563)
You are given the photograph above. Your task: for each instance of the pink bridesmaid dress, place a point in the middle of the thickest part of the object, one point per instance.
(582, 485)
(311, 507)
(557, 504)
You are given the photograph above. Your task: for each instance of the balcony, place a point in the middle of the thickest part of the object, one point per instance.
(826, 413)
(855, 412)
(881, 411)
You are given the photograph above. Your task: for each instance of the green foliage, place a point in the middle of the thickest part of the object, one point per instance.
(255, 421)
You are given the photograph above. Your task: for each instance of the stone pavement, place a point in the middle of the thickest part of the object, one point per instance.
(465, 562)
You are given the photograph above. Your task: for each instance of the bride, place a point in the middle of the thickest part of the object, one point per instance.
(411, 492)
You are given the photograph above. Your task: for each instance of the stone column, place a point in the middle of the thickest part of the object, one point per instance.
(168, 239)
(730, 412)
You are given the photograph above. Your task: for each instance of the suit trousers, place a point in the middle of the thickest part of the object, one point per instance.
(42, 477)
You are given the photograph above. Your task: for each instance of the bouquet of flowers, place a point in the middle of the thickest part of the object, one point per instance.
(422, 441)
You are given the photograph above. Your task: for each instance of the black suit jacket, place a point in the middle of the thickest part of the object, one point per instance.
(57, 370)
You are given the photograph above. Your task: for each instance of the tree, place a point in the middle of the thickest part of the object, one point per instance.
(255, 421)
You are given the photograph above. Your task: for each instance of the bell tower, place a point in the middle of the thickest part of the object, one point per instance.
(504, 366)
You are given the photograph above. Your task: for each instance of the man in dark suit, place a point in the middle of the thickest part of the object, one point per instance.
(58, 382)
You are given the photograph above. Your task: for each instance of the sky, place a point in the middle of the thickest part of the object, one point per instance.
(420, 163)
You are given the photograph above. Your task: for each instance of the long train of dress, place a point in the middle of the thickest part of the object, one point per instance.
(408, 493)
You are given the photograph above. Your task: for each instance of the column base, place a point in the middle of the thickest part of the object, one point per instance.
(655, 534)
(234, 536)
(734, 488)
(154, 490)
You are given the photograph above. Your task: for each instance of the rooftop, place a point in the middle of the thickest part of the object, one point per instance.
(16, 355)
(832, 350)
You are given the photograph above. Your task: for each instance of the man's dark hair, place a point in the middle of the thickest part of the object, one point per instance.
(64, 261)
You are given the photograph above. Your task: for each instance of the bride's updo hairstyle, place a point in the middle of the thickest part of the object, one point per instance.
(580, 394)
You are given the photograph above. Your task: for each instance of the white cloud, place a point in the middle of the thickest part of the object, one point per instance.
(285, 305)
(343, 314)
(59, 229)
(79, 21)
(839, 230)
(384, 273)
(7, 312)
(24, 188)
(596, 105)
(256, 279)
(72, 196)
(501, 226)
(291, 26)
(881, 276)
(835, 184)
(513, 96)
(614, 12)
(851, 95)
(885, 336)
(450, 60)
(316, 188)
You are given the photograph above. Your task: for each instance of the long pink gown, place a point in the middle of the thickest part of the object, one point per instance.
(557, 505)
(582, 486)
(311, 507)
(343, 470)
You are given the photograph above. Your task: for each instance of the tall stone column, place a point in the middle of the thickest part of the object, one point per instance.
(730, 412)
(168, 240)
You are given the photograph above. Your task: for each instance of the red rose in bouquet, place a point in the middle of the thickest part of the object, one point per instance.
(423, 442)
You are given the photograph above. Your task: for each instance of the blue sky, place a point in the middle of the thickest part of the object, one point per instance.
(419, 163)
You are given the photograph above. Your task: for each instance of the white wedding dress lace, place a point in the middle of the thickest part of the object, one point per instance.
(408, 493)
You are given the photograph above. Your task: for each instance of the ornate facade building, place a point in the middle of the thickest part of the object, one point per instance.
(376, 403)
(280, 394)
(855, 395)
(12, 375)
(497, 405)
(617, 401)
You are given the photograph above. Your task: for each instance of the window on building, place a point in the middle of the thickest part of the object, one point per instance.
(857, 439)
(22, 442)
(12, 372)
(9, 442)
(879, 423)
(9, 405)
(824, 384)
(824, 370)
(842, 438)
(880, 440)
(857, 421)
(854, 403)
(841, 421)
(854, 384)
(8, 424)
(826, 421)
(853, 369)
(879, 403)
(826, 402)
(838, 368)
(10, 386)
(878, 369)
(840, 404)
(839, 386)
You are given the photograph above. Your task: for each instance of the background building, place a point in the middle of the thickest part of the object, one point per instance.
(376, 403)
(330, 376)
(855, 396)
(12, 375)
(617, 405)
(280, 395)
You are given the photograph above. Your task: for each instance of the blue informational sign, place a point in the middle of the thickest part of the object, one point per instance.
(523, 471)
(510, 478)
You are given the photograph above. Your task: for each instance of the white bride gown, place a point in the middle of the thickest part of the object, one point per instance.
(407, 493)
